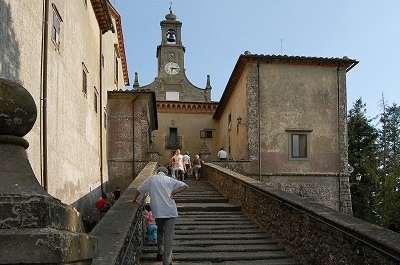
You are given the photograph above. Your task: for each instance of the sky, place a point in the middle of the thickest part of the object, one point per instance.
(216, 32)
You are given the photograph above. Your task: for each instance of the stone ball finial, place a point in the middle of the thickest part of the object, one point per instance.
(17, 109)
(170, 16)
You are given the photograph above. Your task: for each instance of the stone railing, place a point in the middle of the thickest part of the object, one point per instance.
(120, 232)
(311, 232)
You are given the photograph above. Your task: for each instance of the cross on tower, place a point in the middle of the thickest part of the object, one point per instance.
(170, 5)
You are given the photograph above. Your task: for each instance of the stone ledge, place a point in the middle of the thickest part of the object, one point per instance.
(38, 211)
(45, 245)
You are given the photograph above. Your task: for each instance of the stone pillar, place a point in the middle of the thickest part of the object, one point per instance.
(34, 226)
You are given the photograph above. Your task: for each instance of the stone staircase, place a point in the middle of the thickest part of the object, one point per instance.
(210, 230)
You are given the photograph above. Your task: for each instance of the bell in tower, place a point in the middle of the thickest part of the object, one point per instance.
(171, 36)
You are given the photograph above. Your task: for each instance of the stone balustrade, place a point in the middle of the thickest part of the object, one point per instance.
(313, 233)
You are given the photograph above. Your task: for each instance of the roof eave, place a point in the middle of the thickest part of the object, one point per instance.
(121, 43)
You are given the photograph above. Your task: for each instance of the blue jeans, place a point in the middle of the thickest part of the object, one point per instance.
(165, 236)
(151, 232)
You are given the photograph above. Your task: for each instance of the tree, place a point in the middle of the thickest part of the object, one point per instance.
(363, 157)
(389, 169)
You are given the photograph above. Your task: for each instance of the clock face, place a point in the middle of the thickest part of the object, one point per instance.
(171, 68)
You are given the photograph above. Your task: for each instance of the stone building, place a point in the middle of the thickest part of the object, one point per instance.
(132, 116)
(184, 110)
(67, 54)
(284, 117)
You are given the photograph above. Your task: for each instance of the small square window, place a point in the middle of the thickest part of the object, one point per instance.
(84, 79)
(105, 118)
(116, 67)
(299, 145)
(116, 63)
(95, 99)
(84, 82)
(207, 134)
(56, 29)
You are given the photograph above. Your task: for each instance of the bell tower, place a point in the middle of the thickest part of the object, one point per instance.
(170, 52)
(171, 83)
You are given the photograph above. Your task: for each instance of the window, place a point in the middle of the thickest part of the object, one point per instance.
(95, 99)
(116, 70)
(56, 30)
(105, 117)
(299, 145)
(173, 141)
(84, 79)
(207, 134)
(116, 63)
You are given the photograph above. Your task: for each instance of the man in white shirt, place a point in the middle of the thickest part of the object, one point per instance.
(222, 154)
(161, 189)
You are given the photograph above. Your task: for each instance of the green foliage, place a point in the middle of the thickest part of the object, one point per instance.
(375, 155)
(389, 170)
(363, 152)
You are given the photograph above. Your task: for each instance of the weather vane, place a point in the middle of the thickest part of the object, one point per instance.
(170, 5)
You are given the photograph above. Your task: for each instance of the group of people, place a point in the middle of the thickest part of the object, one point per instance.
(161, 213)
(181, 166)
(103, 204)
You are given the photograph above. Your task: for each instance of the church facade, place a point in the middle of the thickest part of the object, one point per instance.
(282, 119)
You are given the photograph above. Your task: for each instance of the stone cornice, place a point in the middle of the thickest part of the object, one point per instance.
(186, 107)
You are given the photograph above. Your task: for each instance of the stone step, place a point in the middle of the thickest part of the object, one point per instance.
(201, 200)
(217, 230)
(287, 261)
(222, 256)
(211, 230)
(207, 207)
(218, 248)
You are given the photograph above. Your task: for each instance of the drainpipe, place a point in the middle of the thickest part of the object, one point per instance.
(43, 96)
(338, 131)
(101, 110)
(259, 120)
